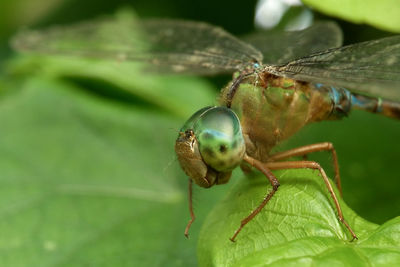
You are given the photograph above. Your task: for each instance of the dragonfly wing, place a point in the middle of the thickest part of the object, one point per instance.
(169, 45)
(281, 47)
(198, 46)
(370, 68)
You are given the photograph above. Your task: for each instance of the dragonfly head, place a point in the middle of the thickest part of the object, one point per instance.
(210, 145)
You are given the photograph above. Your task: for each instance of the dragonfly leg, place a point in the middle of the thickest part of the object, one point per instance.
(192, 217)
(304, 150)
(313, 165)
(275, 184)
(235, 85)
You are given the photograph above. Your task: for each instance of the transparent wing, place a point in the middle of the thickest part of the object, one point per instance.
(371, 68)
(169, 45)
(282, 47)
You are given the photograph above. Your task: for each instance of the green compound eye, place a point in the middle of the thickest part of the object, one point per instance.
(189, 124)
(220, 138)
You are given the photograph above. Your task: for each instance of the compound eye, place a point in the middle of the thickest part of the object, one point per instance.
(220, 138)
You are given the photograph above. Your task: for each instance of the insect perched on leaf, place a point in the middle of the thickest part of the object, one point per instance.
(282, 82)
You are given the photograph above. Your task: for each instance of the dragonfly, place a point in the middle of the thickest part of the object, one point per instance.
(282, 81)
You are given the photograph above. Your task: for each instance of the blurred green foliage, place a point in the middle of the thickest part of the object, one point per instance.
(382, 14)
(88, 174)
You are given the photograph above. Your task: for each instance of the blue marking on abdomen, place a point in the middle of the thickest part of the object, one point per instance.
(341, 98)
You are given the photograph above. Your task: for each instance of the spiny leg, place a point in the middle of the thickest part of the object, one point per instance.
(192, 217)
(275, 184)
(235, 85)
(304, 150)
(316, 166)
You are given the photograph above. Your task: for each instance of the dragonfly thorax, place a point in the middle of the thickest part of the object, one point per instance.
(272, 109)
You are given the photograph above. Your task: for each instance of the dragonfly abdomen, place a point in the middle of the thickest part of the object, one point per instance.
(376, 105)
(344, 101)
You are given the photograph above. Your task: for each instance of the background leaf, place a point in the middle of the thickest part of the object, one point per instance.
(84, 175)
(382, 14)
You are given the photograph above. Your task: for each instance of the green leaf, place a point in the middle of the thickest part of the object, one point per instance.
(124, 79)
(87, 178)
(298, 226)
(382, 14)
